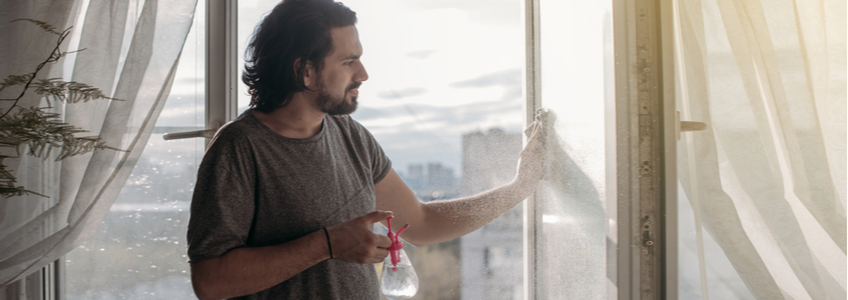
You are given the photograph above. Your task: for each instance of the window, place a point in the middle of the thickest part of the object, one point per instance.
(452, 85)
(139, 250)
(447, 98)
(571, 206)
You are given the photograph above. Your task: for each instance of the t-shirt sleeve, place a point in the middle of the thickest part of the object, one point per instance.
(222, 205)
(380, 163)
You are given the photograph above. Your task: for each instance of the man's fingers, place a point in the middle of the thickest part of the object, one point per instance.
(381, 253)
(383, 241)
(378, 256)
(357, 243)
(537, 133)
(536, 136)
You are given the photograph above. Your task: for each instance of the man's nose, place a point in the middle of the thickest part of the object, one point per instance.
(362, 74)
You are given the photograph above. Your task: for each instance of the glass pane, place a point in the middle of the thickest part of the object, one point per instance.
(577, 84)
(139, 250)
(444, 99)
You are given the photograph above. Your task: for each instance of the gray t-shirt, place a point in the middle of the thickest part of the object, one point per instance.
(258, 188)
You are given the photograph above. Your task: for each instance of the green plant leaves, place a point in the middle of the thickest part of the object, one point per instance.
(46, 27)
(40, 130)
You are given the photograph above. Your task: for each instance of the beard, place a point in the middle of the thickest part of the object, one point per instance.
(333, 104)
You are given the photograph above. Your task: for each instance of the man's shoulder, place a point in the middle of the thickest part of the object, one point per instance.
(235, 137)
(241, 128)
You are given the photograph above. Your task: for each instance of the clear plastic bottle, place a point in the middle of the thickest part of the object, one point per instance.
(398, 282)
(398, 279)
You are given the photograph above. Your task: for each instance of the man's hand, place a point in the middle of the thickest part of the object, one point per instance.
(531, 159)
(353, 241)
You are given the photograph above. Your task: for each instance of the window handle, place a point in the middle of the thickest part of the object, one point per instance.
(692, 126)
(684, 126)
(208, 133)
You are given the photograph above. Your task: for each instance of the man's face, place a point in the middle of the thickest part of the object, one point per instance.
(342, 73)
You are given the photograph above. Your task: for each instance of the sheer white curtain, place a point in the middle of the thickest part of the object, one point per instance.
(768, 177)
(131, 53)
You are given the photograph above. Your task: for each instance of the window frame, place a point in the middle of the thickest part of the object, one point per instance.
(532, 101)
(643, 44)
(641, 183)
(221, 63)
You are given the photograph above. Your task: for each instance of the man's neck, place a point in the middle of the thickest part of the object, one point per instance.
(297, 120)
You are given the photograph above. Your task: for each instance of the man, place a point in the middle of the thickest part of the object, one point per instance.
(287, 193)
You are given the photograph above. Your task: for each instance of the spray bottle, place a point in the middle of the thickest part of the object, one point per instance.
(398, 279)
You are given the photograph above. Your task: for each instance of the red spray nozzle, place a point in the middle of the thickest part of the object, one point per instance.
(394, 249)
(402, 229)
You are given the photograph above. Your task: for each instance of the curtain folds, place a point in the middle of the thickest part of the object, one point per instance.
(131, 53)
(768, 177)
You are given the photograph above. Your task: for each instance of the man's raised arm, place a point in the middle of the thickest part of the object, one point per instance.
(439, 221)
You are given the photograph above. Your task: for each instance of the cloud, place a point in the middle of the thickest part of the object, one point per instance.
(421, 54)
(508, 78)
(397, 94)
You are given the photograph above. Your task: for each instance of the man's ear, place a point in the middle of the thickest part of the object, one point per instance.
(309, 73)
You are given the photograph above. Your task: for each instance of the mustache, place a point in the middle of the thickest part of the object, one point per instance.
(354, 85)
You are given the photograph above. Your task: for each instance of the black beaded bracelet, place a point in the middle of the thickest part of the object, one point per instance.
(328, 242)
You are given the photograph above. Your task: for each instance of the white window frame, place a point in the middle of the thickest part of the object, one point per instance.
(221, 62)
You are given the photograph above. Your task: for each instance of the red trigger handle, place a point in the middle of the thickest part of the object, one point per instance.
(396, 244)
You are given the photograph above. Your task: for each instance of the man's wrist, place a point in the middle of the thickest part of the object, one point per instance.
(329, 244)
(522, 188)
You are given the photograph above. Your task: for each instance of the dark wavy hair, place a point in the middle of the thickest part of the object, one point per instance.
(295, 29)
